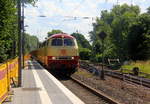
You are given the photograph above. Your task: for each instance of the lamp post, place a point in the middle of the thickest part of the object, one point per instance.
(102, 35)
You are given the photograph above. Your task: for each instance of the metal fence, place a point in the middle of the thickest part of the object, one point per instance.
(8, 76)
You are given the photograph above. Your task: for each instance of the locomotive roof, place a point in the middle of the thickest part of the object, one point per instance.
(60, 35)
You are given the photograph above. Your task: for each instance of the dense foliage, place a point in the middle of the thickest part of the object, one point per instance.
(84, 53)
(8, 28)
(82, 42)
(8, 23)
(128, 33)
(31, 43)
(139, 38)
(84, 46)
(53, 32)
(30, 1)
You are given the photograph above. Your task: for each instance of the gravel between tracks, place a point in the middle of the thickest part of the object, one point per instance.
(82, 93)
(124, 92)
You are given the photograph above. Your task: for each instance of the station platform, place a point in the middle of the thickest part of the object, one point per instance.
(41, 87)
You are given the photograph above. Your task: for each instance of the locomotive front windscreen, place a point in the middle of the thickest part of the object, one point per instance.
(57, 42)
(62, 42)
(68, 42)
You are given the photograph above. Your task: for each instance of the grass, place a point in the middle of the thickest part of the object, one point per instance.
(84, 73)
(144, 67)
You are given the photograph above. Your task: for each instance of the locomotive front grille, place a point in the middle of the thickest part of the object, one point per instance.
(64, 58)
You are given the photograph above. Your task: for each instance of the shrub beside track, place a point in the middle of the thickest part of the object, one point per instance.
(125, 77)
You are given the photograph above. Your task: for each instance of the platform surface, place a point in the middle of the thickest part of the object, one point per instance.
(40, 87)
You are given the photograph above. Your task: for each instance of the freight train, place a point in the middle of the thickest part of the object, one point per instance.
(59, 53)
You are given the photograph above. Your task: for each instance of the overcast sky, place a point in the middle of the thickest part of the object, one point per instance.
(57, 14)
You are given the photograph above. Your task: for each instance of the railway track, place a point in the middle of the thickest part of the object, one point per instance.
(94, 96)
(90, 95)
(125, 77)
(86, 93)
(96, 92)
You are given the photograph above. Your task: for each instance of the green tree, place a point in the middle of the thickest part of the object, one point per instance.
(84, 46)
(31, 43)
(97, 47)
(148, 10)
(139, 38)
(8, 27)
(84, 53)
(53, 32)
(124, 17)
(116, 24)
(81, 40)
(30, 2)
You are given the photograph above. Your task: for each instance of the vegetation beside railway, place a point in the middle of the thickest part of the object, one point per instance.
(84, 46)
(143, 66)
(123, 91)
(31, 43)
(128, 37)
(127, 29)
(9, 29)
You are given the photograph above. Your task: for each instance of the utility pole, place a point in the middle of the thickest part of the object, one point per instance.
(23, 35)
(19, 44)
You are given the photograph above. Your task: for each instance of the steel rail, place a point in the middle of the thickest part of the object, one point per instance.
(126, 77)
(96, 92)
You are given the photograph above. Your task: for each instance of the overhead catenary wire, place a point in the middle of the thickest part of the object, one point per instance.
(73, 10)
(78, 6)
(77, 17)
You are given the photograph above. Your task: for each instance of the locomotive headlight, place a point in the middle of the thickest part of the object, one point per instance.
(53, 58)
(72, 58)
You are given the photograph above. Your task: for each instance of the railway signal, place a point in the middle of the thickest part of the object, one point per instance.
(102, 35)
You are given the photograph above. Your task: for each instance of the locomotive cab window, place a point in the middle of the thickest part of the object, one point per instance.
(68, 42)
(57, 42)
(62, 42)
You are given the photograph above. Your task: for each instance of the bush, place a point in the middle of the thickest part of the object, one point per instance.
(84, 53)
(96, 58)
(135, 71)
